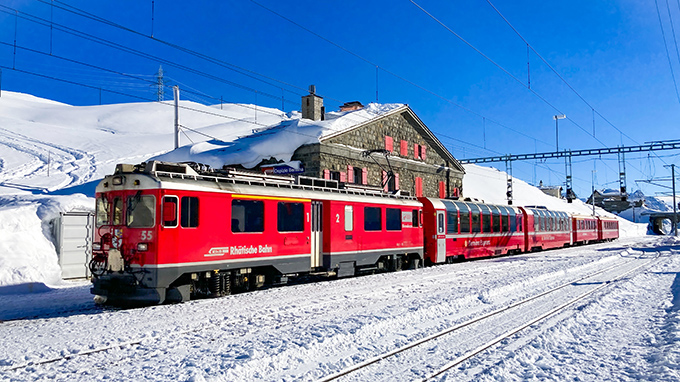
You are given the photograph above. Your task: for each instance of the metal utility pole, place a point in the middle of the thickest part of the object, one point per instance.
(593, 194)
(675, 206)
(508, 180)
(175, 91)
(557, 135)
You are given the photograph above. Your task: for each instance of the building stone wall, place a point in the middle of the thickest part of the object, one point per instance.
(337, 153)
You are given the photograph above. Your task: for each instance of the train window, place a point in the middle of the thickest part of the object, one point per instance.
(452, 221)
(349, 218)
(513, 220)
(520, 222)
(117, 211)
(440, 223)
(464, 222)
(486, 218)
(290, 217)
(372, 219)
(170, 211)
(102, 211)
(475, 222)
(141, 211)
(497, 220)
(451, 217)
(416, 221)
(393, 219)
(247, 215)
(189, 213)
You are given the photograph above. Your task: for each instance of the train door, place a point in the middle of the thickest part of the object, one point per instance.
(316, 239)
(441, 236)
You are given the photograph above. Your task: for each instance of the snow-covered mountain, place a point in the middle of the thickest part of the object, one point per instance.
(53, 154)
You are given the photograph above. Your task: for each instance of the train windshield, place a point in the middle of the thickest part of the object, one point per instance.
(141, 211)
(103, 213)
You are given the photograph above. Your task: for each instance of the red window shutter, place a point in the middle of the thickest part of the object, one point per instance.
(389, 143)
(343, 176)
(404, 148)
(384, 180)
(442, 190)
(350, 174)
(326, 174)
(416, 151)
(423, 156)
(419, 187)
(396, 181)
(364, 175)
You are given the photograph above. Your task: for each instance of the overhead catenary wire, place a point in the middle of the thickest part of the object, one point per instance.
(529, 46)
(393, 73)
(504, 70)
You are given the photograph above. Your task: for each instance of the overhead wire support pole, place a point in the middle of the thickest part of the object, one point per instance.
(622, 176)
(675, 205)
(175, 91)
(508, 179)
(568, 184)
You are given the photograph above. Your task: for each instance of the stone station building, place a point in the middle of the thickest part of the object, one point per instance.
(397, 141)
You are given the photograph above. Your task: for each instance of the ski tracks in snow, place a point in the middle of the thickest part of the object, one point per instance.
(41, 157)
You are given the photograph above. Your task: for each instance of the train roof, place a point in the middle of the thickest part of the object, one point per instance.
(193, 176)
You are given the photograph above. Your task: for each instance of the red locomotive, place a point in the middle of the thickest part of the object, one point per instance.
(167, 232)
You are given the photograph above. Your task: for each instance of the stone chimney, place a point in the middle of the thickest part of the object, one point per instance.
(312, 105)
(349, 106)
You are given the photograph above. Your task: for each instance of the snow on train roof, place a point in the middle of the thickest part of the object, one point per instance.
(279, 140)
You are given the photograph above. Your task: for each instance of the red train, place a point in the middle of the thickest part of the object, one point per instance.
(168, 232)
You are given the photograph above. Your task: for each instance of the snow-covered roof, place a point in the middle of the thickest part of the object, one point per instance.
(279, 140)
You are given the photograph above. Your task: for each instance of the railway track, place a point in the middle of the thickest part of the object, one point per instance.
(288, 321)
(485, 324)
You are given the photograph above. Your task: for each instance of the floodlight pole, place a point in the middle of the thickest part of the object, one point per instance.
(557, 135)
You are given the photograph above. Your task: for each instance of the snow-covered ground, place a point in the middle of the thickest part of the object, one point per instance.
(52, 154)
(626, 331)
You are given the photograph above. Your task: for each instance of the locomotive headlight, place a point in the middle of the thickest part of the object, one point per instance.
(142, 247)
(96, 246)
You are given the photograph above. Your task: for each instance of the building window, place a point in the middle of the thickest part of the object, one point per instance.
(358, 176)
(335, 175)
(189, 213)
(404, 148)
(389, 143)
(419, 187)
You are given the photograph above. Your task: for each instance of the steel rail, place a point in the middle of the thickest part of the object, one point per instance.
(452, 329)
(542, 317)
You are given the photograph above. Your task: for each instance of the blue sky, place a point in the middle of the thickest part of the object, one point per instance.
(611, 52)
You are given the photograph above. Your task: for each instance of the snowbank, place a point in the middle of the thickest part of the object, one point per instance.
(27, 251)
